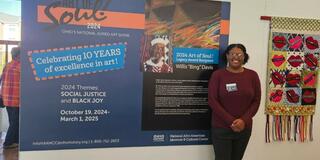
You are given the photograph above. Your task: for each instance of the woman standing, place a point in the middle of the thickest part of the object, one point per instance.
(234, 97)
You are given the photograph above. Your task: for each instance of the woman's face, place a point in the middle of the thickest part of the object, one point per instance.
(235, 58)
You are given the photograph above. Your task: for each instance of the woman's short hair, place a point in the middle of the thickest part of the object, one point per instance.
(235, 45)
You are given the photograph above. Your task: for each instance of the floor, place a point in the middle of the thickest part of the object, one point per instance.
(7, 154)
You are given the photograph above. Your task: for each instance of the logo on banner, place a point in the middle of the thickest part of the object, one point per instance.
(158, 138)
(86, 13)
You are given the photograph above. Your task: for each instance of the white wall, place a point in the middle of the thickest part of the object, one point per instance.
(247, 28)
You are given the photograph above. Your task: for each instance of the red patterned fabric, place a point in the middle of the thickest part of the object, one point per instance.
(11, 84)
(293, 77)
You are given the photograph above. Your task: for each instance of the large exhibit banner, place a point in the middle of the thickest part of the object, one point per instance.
(119, 73)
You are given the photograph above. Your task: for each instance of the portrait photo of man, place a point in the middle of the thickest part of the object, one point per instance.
(159, 59)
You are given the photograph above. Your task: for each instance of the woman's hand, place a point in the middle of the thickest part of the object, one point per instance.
(238, 125)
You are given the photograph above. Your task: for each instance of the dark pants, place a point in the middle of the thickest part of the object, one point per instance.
(229, 145)
(13, 130)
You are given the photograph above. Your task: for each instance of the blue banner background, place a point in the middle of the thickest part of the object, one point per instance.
(40, 127)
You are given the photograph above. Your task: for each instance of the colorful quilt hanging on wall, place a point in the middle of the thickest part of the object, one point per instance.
(293, 65)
